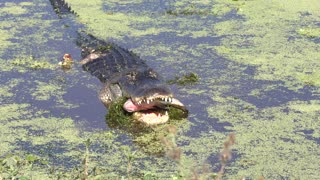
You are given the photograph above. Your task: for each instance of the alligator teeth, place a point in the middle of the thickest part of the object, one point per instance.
(148, 101)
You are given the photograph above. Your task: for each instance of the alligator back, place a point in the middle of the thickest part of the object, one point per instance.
(102, 59)
(106, 60)
(61, 7)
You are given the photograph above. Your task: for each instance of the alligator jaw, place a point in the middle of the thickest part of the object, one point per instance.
(151, 117)
(152, 111)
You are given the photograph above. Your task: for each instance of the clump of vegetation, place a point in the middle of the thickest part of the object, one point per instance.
(105, 48)
(117, 116)
(175, 113)
(188, 79)
(310, 32)
(188, 11)
(31, 63)
(16, 167)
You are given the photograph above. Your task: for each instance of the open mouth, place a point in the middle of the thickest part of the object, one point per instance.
(151, 117)
(152, 111)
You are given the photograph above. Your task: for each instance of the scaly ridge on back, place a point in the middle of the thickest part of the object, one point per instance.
(104, 60)
(61, 7)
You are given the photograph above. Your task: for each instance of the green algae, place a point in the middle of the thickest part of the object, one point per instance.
(309, 78)
(276, 142)
(32, 63)
(221, 9)
(262, 40)
(20, 55)
(13, 166)
(44, 91)
(5, 90)
(122, 24)
(259, 39)
(188, 79)
(271, 132)
(4, 38)
(116, 22)
(117, 116)
(189, 10)
(26, 63)
(272, 142)
(13, 8)
(310, 32)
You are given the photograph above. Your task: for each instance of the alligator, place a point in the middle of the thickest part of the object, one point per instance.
(125, 75)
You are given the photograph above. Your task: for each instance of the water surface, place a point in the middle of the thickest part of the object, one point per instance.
(258, 64)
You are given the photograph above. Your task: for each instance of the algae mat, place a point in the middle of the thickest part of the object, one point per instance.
(258, 65)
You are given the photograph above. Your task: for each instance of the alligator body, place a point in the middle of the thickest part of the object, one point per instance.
(124, 74)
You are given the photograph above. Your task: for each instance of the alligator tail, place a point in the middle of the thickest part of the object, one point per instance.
(61, 7)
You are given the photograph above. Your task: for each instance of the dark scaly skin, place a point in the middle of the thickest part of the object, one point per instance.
(122, 72)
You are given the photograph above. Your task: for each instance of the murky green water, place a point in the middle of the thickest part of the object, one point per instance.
(258, 63)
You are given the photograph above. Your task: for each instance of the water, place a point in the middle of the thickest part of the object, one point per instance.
(271, 104)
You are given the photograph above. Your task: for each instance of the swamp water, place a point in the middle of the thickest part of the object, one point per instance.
(258, 63)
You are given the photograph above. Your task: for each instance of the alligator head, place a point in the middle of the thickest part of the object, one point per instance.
(148, 97)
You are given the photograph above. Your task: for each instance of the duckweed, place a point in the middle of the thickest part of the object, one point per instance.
(190, 78)
(249, 54)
